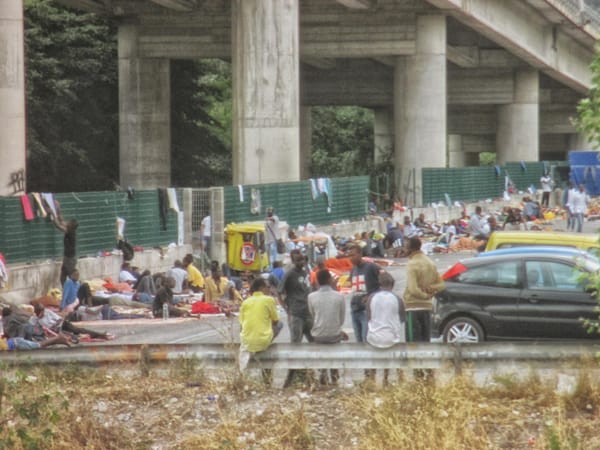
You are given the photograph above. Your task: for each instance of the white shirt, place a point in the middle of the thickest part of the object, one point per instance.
(180, 275)
(126, 276)
(546, 184)
(578, 201)
(385, 328)
(476, 226)
(206, 226)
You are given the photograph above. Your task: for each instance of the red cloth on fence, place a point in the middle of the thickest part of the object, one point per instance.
(27, 209)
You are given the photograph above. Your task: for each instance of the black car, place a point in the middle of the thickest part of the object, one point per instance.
(516, 296)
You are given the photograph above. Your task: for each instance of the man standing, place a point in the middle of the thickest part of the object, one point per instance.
(328, 310)
(205, 234)
(567, 195)
(271, 235)
(547, 184)
(422, 282)
(259, 323)
(294, 289)
(69, 242)
(364, 279)
(578, 202)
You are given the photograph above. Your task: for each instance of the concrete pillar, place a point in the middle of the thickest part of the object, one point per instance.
(12, 99)
(383, 132)
(144, 115)
(305, 141)
(420, 107)
(517, 136)
(266, 85)
(456, 156)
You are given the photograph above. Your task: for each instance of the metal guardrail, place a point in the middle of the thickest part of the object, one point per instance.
(314, 356)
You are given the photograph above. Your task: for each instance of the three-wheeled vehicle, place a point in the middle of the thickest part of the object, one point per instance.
(245, 243)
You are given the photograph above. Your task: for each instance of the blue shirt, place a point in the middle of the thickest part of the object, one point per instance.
(69, 295)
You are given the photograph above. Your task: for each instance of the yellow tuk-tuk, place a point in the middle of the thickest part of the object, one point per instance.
(246, 246)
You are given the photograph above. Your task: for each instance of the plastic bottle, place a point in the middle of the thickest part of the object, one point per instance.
(165, 311)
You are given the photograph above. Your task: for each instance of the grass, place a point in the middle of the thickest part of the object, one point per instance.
(183, 408)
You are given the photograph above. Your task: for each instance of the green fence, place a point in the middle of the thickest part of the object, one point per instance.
(96, 212)
(477, 183)
(294, 202)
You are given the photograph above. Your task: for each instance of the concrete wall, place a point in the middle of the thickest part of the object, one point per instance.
(30, 281)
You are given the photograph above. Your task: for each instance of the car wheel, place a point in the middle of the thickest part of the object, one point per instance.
(463, 330)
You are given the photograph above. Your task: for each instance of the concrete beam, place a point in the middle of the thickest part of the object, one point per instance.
(356, 4)
(177, 5)
(463, 56)
(389, 61)
(319, 63)
(558, 119)
(523, 31)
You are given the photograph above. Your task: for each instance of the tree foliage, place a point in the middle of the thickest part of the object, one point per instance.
(588, 109)
(201, 123)
(72, 99)
(342, 142)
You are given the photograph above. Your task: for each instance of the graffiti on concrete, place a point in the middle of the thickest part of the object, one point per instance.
(17, 181)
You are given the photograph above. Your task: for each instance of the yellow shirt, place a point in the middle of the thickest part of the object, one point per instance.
(195, 278)
(215, 291)
(257, 314)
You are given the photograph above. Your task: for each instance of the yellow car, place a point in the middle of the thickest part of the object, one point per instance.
(506, 239)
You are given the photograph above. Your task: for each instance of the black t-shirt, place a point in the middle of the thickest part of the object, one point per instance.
(295, 285)
(365, 277)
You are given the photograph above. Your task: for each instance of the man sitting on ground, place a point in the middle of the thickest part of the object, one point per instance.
(165, 296)
(195, 279)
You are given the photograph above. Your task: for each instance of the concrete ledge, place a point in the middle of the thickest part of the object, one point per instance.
(29, 281)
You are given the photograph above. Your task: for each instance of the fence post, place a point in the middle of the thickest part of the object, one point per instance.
(217, 211)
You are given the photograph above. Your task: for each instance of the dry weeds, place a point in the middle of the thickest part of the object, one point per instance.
(182, 408)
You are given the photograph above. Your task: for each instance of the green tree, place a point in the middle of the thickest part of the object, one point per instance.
(342, 142)
(588, 109)
(72, 99)
(201, 123)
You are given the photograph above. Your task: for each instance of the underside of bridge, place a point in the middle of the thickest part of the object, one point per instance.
(447, 79)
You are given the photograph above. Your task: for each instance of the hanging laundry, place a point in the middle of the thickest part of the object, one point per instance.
(172, 195)
(324, 185)
(241, 193)
(39, 205)
(3, 272)
(49, 200)
(27, 210)
(255, 201)
(314, 190)
(163, 208)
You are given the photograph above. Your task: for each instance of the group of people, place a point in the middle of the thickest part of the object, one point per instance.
(378, 315)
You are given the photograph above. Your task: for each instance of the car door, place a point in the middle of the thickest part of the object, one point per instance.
(553, 301)
(490, 293)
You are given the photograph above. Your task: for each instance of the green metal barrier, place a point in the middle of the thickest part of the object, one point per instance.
(96, 212)
(294, 202)
(477, 183)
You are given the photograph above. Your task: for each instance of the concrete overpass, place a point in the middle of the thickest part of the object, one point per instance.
(447, 79)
